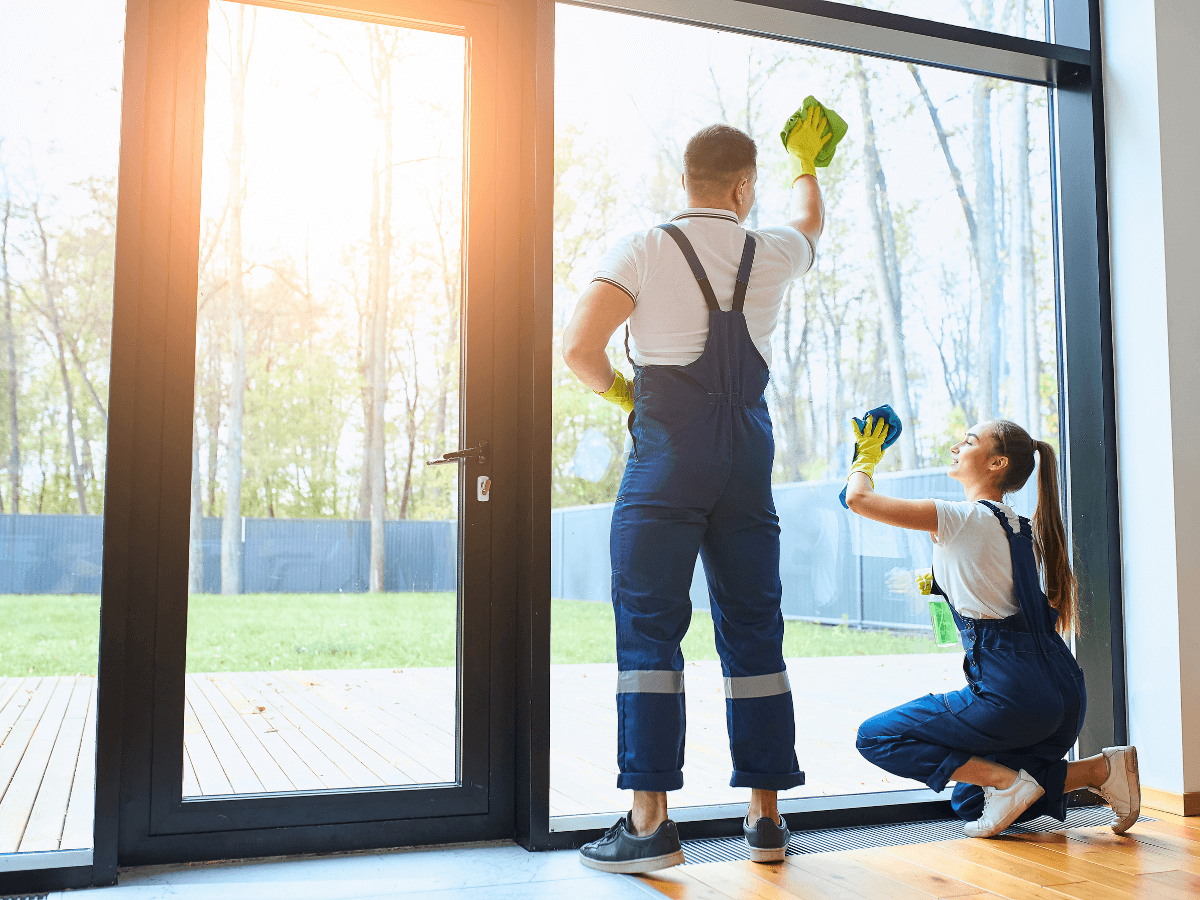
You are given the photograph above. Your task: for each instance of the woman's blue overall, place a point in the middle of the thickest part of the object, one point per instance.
(1023, 705)
(699, 481)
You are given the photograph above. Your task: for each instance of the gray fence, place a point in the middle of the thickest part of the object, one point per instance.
(62, 555)
(835, 566)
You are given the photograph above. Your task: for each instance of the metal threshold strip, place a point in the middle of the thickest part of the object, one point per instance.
(44, 859)
(833, 839)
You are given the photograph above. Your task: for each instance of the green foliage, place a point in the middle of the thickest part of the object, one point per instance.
(59, 634)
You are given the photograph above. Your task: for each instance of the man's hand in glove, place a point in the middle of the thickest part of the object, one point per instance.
(621, 393)
(805, 141)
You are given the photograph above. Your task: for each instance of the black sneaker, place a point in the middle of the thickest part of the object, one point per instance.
(767, 840)
(625, 853)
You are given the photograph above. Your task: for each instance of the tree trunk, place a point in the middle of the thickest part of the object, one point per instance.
(231, 524)
(10, 346)
(51, 311)
(379, 326)
(991, 287)
(214, 433)
(196, 543)
(1027, 325)
(887, 270)
(80, 488)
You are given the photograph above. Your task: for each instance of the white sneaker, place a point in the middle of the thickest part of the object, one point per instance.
(1001, 808)
(1122, 789)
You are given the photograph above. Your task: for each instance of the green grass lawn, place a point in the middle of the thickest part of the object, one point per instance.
(57, 635)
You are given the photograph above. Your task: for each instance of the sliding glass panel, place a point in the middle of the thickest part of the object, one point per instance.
(948, 175)
(1021, 18)
(60, 117)
(324, 606)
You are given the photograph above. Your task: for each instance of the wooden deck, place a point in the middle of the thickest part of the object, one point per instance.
(47, 763)
(252, 732)
(1157, 860)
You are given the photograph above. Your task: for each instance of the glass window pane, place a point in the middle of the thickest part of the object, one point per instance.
(323, 610)
(60, 118)
(948, 175)
(1020, 18)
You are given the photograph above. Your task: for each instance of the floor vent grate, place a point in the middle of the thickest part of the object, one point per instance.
(832, 839)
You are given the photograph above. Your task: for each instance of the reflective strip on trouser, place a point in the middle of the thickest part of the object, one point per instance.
(649, 681)
(750, 686)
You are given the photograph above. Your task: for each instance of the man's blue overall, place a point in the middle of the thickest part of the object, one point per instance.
(699, 481)
(1023, 705)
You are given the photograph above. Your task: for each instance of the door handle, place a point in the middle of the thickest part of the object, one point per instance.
(480, 454)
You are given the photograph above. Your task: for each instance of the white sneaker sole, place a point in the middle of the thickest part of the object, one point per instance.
(634, 866)
(1008, 819)
(1135, 794)
(759, 855)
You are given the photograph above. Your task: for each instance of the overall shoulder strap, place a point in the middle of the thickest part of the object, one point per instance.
(689, 254)
(743, 275)
(1026, 582)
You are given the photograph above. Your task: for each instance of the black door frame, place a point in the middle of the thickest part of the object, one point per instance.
(1072, 69)
(141, 815)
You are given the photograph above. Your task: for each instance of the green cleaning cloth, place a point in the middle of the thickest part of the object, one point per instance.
(837, 126)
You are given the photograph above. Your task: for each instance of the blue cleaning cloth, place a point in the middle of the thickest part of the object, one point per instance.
(895, 426)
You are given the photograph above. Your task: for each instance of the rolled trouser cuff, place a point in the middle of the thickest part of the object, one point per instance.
(954, 760)
(763, 782)
(650, 781)
(1054, 782)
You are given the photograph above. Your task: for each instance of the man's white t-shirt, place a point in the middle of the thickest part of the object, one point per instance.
(669, 323)
(971, 559)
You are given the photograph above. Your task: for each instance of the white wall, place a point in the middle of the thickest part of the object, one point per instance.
(1154, 195)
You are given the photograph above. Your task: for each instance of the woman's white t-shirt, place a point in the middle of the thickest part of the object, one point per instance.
(972, 563)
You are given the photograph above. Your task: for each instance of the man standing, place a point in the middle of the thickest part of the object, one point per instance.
(701, 296)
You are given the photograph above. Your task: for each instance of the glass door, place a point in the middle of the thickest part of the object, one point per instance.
(322, 650)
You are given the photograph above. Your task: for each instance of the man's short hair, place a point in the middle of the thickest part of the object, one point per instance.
(717, 157)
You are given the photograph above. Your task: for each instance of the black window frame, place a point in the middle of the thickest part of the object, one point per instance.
(1070, 66)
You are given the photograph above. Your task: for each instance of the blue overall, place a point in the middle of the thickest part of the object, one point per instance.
(1023, 705)
(698, 480)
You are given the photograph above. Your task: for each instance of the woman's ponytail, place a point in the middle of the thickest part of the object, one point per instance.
(1050, 543)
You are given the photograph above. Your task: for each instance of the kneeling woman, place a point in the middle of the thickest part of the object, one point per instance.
(1004, 736)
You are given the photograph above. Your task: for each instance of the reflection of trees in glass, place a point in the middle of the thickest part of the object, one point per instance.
(56, 281)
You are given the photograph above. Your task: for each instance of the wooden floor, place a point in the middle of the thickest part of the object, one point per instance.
(1159, 860)
(252, 732)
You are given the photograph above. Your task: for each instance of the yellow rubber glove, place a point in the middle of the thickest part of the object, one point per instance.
(925, 582)
(805, 141)
(868, 449)
(621, 393)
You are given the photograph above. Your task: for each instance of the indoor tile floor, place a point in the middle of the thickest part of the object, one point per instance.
(498, 871)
